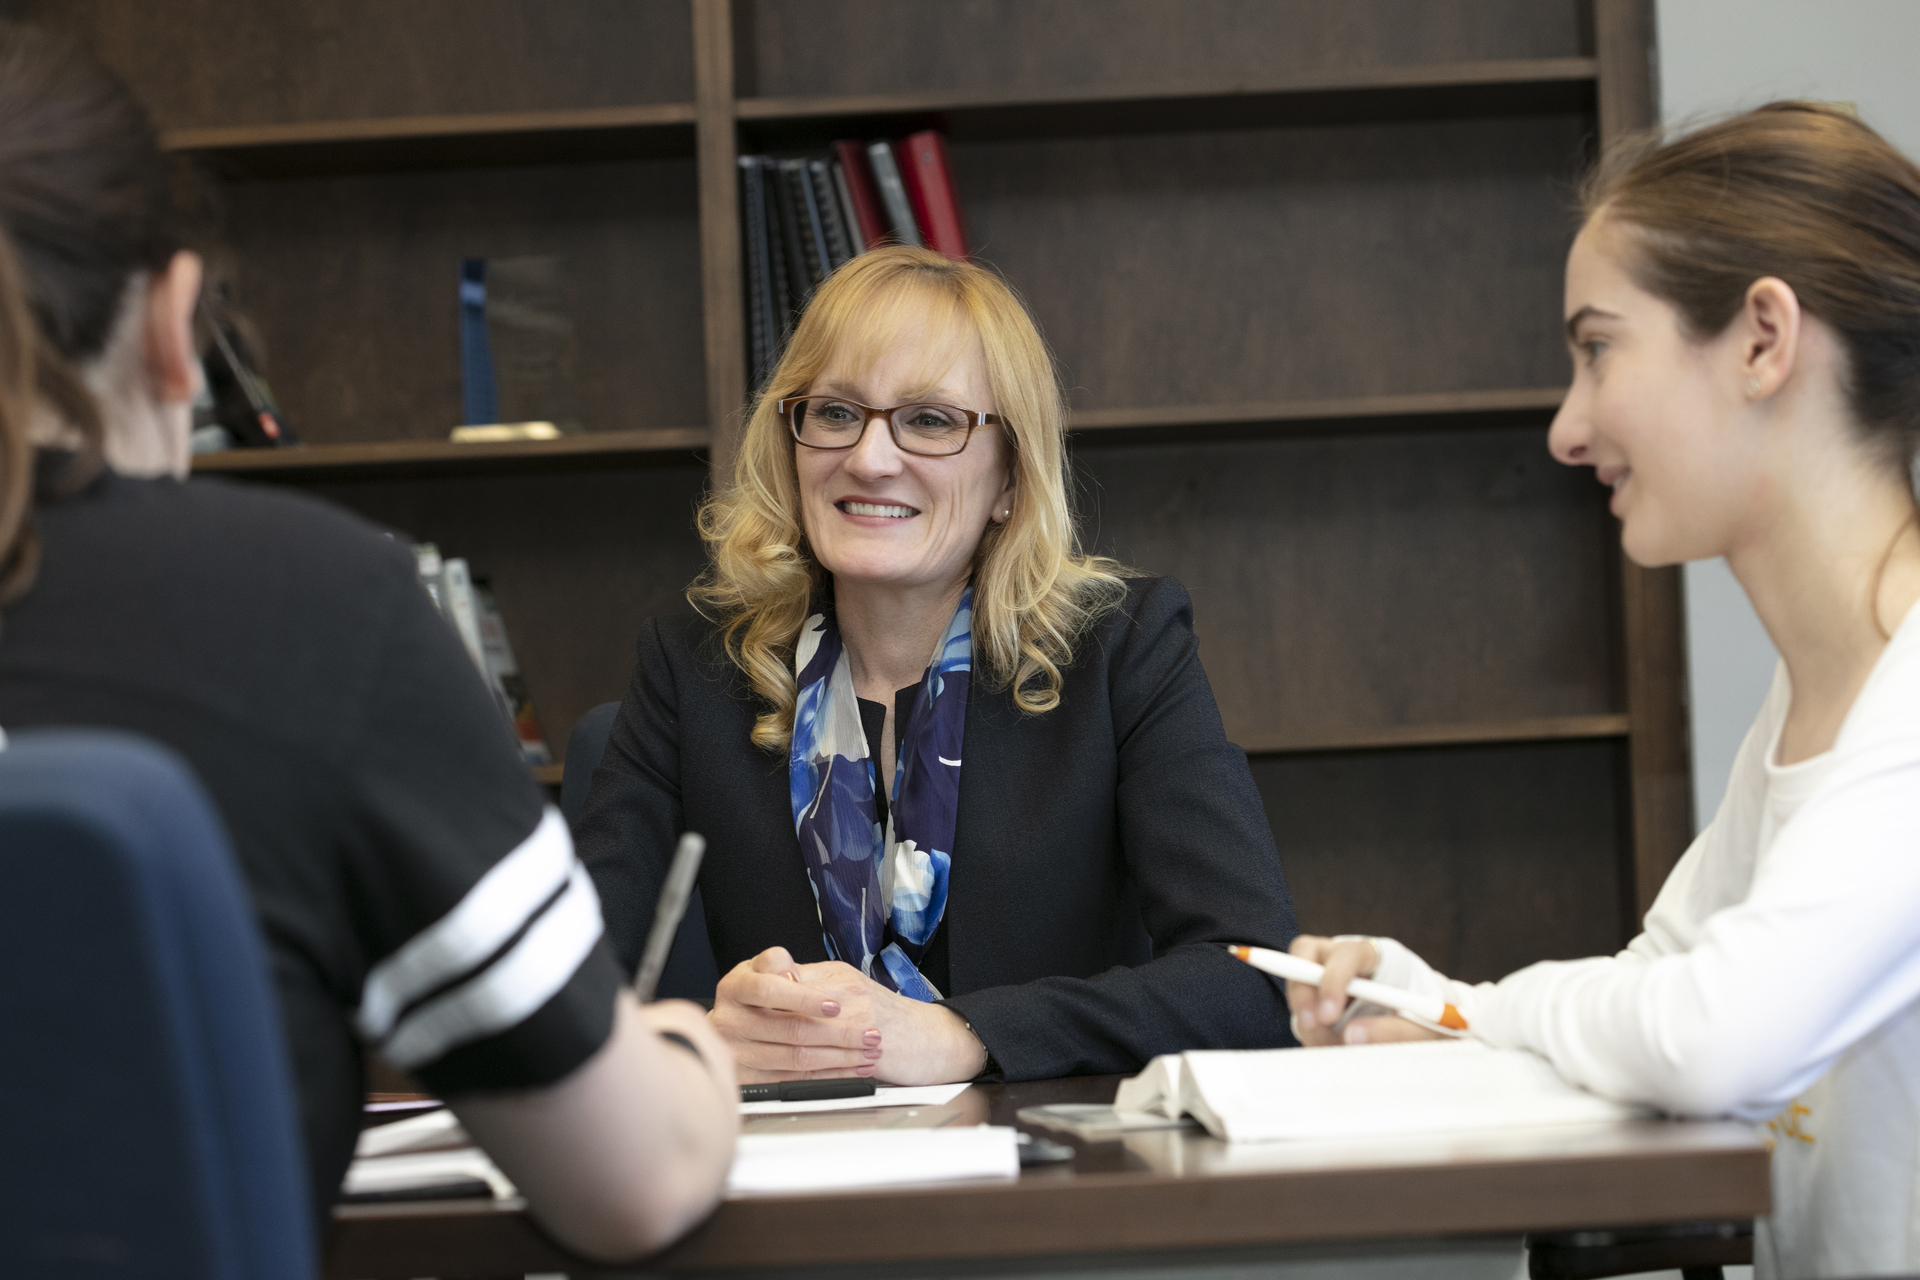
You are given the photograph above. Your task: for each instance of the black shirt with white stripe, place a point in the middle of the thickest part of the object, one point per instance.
(415, 894)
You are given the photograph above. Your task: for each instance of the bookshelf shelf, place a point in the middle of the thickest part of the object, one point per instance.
(409, 458)
(1542, 729)
(1520, 86)
(1526, 406)
(431, 142)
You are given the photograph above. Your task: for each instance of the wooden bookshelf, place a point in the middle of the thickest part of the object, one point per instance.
(398, 459)
(410, 458)
(307, 149)
(1546, 729)
(1519, 86)
(1521, 407)
(1301, 266)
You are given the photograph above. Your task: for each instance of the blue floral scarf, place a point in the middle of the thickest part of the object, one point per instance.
(868, 883)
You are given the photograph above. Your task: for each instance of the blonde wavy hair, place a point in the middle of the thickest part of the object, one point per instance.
(1034, 592)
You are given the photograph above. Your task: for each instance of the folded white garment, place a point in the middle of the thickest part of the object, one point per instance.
(1363, 1090)
(802, 1162)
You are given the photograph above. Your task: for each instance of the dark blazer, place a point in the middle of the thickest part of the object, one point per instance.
(1124, 805)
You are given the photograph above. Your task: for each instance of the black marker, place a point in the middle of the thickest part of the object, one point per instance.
(808, 1090)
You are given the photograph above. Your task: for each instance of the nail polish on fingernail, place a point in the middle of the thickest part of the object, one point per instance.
(1307, 1019)
(1356, 1035)
(872, 1037)
(1329, 1010)
(872, 1053)
(866, 1069)
(829, 1008)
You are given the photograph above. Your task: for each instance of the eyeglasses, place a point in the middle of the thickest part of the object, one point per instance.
(930, 430)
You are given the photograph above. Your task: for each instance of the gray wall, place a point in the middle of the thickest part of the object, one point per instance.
(1718, 56)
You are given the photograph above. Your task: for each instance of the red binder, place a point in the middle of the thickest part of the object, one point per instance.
(866, 199)
(929, 182)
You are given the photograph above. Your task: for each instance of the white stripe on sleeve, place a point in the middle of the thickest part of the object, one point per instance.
(495, 909)
(509, 990)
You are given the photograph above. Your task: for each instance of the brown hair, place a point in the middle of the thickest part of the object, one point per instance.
(1802, 192)
(86, 203)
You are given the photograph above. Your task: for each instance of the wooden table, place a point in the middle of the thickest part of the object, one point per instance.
(1154, 1191)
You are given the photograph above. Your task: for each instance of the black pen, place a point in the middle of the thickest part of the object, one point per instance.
(808, 1090)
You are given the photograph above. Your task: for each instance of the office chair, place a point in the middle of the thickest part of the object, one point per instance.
(691, 972)
(147, 1120)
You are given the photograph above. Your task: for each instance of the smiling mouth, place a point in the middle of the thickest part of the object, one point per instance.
(885, 510)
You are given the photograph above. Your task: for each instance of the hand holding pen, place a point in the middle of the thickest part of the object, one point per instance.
(1322, 973)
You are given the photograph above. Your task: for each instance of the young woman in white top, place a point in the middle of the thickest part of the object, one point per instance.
(1743, 306)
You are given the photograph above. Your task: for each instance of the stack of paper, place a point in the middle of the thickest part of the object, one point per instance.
(421, 1156)
(802, 1162)
(887, 1095)
(1424, 1087)
(430, 1153)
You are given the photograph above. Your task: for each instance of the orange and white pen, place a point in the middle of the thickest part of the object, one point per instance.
(1430, 1009)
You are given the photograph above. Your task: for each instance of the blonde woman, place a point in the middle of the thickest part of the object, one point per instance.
(947, 766)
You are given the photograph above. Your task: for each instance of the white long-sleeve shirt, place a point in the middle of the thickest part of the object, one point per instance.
(1777, 980)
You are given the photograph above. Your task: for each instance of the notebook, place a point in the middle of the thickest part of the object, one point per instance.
(1364, 1090)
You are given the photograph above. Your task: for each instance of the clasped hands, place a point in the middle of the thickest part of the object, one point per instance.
(1317, 1010)
(788, 1021)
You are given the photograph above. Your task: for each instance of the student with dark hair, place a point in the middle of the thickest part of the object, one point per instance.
(417, 897)
(1743, 306)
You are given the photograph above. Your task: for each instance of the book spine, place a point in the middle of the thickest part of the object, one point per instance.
(753, 226)
(869, 216)
(463, 609)
(893, 194)
(780, 298)
(504, 672)
(815, 227)
(849, 219)
(792, 246)
(426, 560)
(831, 221)
(928, 176)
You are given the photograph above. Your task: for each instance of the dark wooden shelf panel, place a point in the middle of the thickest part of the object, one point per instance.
(409, 458)
(441, 142)
(547, 775)
(1543, 729)
(1526, 406)
(1521, 86)
(627, 448)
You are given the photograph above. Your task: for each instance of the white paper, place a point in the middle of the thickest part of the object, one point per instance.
(1426, 1087)
(425, 1169)
(926, 1095)
(812, 1162)
(416, 1133)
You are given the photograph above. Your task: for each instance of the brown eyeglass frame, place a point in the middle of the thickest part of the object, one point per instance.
(975, 419)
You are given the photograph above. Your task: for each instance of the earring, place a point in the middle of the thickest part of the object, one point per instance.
(1753, 388)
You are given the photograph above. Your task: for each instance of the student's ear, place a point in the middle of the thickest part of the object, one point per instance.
(173, 365)
(1770, 320)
